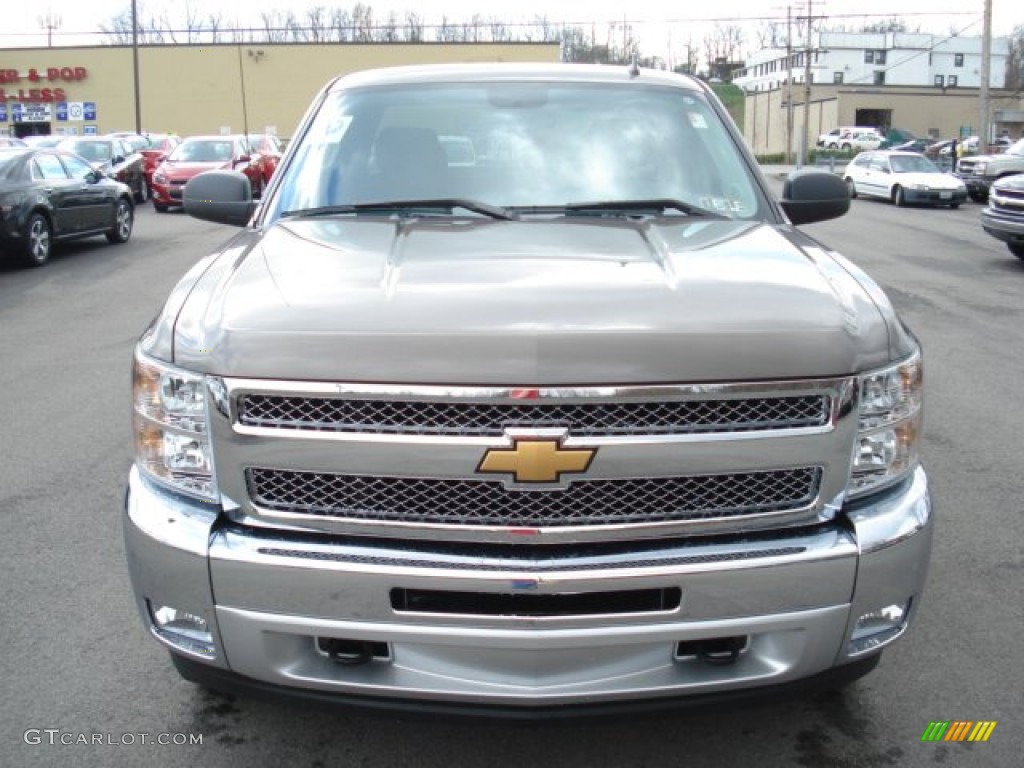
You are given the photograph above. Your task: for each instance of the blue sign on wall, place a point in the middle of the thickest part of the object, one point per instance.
(3, 111)
(62, 110)
(89, 110)
(17, 111)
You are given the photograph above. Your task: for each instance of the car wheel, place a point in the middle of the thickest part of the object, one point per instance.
(124, 217)
(833, 145)
(257, 188)
(141, 191)
(159, 207)
(38, 240)
(846, 147)
(954, 206)
(1017, 249)
(851, 187)
(898, 197)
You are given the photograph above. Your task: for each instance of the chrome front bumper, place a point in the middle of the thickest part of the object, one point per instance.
(267, 596)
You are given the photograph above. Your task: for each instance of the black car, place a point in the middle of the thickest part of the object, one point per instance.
(47, 195)
(1004, 216)
(115, 158)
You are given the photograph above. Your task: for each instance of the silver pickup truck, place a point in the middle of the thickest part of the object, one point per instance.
(520, 393)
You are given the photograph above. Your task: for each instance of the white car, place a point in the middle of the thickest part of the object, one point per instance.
(835, 138)
(903, 178)
(861, 142)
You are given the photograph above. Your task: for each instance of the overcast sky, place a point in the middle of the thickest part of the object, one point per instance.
(658, 24)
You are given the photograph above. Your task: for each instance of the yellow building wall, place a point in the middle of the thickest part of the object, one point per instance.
(194, 89)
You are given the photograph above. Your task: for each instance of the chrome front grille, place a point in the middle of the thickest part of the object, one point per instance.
(489, 503)
(407, 461)
(449, 418)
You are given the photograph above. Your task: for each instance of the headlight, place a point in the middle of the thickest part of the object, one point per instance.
(979, 168)
(889, 431)
(172, 444)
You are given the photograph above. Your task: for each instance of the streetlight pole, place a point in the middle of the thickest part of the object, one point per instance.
(135, 66)
(789, 84)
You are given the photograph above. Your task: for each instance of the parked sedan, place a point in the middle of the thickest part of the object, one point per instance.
(197, 154)
(47, 195)
(267, 149)
(859, 142)
(113, 157)
(1004, 216)
(903, 178)
(160, 146)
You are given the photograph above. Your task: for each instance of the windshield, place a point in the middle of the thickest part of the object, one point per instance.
(518, 145)
(202, 151)
(93, 151)
(912, 164)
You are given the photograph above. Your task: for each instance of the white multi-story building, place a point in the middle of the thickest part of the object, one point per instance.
(884, 58)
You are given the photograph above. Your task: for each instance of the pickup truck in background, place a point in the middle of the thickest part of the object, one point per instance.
(979, 172)
(556, 414)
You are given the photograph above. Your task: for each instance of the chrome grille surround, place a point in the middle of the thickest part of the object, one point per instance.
(640, 485)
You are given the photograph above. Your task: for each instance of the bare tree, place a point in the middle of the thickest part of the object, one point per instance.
(447, 31)
(273, 27)
(1015, 60)
(413, 27)
(340, 25)
(388, 31)
(317, 28)
(362, 23)
(119, 29)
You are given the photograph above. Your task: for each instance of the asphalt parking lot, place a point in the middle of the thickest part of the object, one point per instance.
(77, 664)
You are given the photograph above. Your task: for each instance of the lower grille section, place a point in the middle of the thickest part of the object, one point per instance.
(577, 604)
(489, 503)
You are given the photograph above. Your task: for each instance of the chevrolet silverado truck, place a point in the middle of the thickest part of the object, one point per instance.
(520, 393)
(1003, 217)
(979, 172)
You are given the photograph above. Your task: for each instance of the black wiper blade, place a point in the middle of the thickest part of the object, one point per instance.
(409, 207)
(660, 205)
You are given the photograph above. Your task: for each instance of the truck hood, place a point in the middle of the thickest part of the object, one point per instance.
(551, 301)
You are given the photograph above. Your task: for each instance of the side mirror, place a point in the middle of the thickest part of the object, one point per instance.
(224, 197)
(93, 177)
(810, 196)
(117, 159)
(242, 159)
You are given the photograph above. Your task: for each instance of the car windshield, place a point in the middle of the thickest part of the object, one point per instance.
(93, 151)
(202, 151)
(912, 164)
(519, 145)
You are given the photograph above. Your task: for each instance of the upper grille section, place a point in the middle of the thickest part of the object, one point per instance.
(594, 419)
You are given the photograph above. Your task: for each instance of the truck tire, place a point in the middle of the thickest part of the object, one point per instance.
(977, 196)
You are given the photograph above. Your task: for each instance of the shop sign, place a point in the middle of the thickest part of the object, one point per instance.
(89, 130)
(22, 112)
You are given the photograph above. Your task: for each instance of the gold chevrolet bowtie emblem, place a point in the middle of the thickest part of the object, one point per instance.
(536, 461)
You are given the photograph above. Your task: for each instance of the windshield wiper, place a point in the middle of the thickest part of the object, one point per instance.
(624, 207)
(410, 207)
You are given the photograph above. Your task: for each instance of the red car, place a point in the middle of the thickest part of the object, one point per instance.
(268, 149)
(160, 146)
(197, 154)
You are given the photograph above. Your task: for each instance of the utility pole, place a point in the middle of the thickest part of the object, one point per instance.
(805, 137)
(984, 128)
(789, 84)
(135, 66)
(49, 22)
